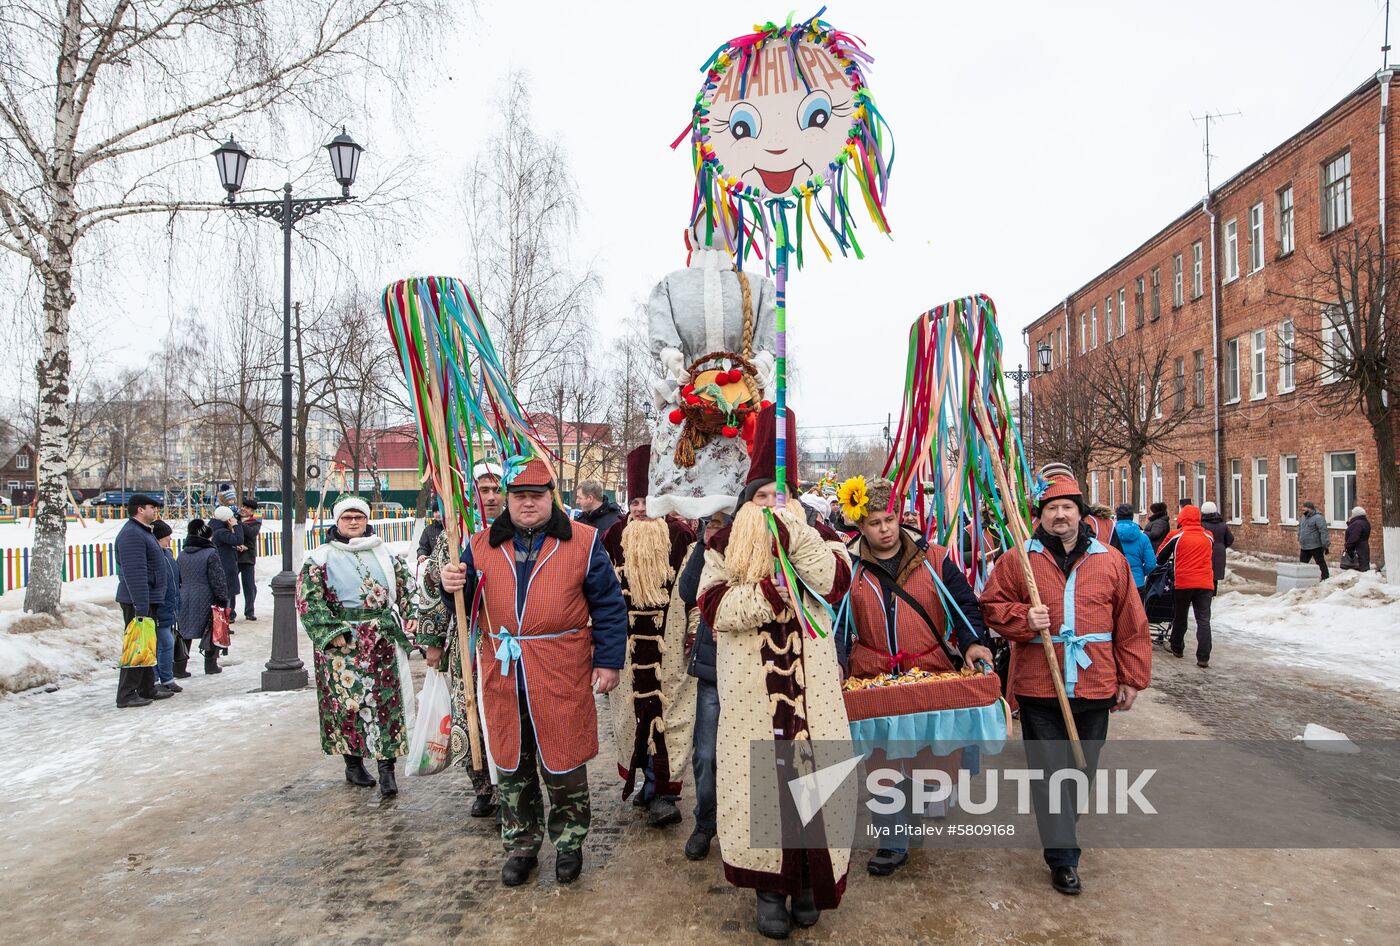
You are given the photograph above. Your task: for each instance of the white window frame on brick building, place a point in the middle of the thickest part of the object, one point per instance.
(1232, 250)
(1180, 480)
(1111, 490)
(1178, 300)
(1285, 220)
(1336, 192)
(1198, 384)
(1341, 486)
(1261, 490)
(1198, 494)
(1198, 283)
(1287, 357)
(1122, 312)
(1288, 489)
(1258, 361)
(1256, 237)
(1232, 371)
(1236, 492)
(1093, 326)
(1179, 404)
(1093, 487)
(1123, 482)
(1157, 399)
(1156, 293)
(1108, 317)
(1336, 344)
(1142, 486)
(1156, 482)
(1140, 303)
(1083, 332)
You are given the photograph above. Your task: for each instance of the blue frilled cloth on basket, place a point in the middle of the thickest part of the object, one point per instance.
(941, 716)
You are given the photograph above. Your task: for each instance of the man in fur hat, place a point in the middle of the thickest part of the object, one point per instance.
(1091, 609)
(893, 567)
(654, 703)
(776, 683)
(553, 631)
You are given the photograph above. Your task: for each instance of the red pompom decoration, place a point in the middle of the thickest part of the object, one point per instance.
(730, 431)
(677, 416)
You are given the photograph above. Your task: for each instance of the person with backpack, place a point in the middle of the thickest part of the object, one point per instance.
(1190, 549)
(1214, 523)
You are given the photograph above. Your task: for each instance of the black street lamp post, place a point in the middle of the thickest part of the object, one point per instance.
(1022, 375)
(284, 670)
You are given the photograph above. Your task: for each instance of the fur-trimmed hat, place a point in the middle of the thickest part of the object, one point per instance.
(638, 469)
(344, 504)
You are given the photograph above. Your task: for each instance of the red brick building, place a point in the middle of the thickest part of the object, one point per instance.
(1207, 288)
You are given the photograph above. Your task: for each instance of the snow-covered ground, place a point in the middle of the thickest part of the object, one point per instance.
(38, 650)
(1349, 624)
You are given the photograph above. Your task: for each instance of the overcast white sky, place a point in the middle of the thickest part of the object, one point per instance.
(1036, 144)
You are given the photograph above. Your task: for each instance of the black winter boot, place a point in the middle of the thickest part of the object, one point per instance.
(804, 908)
(388, 785)
(355, 772)
(774, 921)
(211, 661)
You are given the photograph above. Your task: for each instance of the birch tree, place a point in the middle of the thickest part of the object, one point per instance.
(521, 208)
(102, 102)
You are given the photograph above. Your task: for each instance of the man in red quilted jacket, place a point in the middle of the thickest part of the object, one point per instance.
(1190, 547)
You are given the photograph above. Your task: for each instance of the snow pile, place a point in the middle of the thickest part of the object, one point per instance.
(39, 649)
(1348, 624)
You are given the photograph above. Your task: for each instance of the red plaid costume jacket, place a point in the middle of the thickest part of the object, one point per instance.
(1097, 598)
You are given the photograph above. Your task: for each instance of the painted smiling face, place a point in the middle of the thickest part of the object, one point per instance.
(772, 130)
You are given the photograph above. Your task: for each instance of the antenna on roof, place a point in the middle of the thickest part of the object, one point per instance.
(1207, 118)
(1385, 49)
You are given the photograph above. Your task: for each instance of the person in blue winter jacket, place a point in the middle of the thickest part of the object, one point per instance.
(1137, 547)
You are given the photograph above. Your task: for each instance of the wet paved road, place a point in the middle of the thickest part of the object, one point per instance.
(237, 831)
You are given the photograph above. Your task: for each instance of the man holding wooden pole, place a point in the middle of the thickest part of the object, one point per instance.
(553, 631)
(1092, 614)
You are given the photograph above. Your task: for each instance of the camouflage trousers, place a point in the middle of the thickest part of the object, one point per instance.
(523, 820)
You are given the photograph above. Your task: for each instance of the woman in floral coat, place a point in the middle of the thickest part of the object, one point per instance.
(354, 602)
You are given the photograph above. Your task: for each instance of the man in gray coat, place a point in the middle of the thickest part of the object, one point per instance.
(1313, 537)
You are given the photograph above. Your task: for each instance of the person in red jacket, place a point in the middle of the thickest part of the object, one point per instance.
(1091, 610)
(1191, 549)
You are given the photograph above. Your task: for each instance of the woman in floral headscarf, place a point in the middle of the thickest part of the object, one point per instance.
(354, 602)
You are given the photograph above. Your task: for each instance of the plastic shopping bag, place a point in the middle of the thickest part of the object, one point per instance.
(221, 631)
(430, 747)
(139, 643)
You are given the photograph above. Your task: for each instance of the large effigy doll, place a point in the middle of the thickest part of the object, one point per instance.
(712, 327)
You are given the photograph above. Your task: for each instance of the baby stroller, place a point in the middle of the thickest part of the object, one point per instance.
(1157, 599)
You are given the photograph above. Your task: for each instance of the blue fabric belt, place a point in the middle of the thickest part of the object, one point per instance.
(509, 649)
(1076, 652)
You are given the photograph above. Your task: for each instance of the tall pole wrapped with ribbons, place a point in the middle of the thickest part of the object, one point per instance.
(958, 455)
(465, 411)
(786, 142)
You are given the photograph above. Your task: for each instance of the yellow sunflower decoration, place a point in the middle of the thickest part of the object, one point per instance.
(855, 501)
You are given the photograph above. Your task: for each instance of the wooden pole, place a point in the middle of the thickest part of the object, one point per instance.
(1022, 535)
(454, 554)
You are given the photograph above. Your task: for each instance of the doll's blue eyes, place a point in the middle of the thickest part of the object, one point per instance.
(743, 123)
(815, 111)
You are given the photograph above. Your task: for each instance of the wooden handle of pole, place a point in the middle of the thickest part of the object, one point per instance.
(1022, 535)
(454, 553)
(464, 650)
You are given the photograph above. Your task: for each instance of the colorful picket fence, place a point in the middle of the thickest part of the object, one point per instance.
(99, 559)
